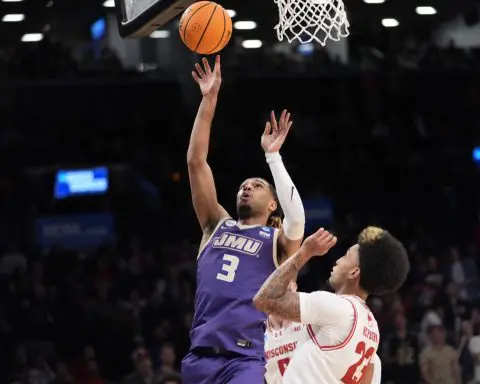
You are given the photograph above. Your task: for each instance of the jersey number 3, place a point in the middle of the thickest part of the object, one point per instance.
(357, 371)
(229, 268)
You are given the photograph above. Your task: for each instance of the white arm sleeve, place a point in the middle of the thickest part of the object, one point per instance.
(324, 309)
(290, 201)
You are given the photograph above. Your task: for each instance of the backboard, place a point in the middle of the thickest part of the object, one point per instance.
(138, 18)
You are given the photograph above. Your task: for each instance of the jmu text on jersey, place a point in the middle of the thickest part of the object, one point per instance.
(239, 243)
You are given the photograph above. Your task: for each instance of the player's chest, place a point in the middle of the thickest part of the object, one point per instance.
(291, 333)
(239, 259)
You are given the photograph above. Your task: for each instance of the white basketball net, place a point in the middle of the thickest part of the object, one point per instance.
(309, 20)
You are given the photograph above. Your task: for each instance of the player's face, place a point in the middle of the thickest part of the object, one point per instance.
(437, 335)
(346, 269)
(254, 197)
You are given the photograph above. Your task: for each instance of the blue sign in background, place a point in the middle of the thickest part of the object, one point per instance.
(74, 231)
(81, 182)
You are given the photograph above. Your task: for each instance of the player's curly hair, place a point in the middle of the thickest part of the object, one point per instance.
(384, 263)
(276, 217)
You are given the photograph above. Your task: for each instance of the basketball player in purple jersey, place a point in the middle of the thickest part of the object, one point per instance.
(236, 256)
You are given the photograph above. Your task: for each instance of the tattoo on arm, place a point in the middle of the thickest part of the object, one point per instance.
(273, 298)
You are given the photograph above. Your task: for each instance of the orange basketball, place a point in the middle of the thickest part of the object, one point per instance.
(205, 27)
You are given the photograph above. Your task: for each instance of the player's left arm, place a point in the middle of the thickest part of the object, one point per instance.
(274, 298)
(291, 234)
(373, 373)
(368, 378)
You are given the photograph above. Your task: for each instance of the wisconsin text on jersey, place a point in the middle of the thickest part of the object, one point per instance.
(281, 350)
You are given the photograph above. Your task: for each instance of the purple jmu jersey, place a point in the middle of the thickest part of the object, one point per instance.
(231, 268)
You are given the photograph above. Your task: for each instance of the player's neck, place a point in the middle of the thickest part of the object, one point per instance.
(352, 291)
(253, 221)
(277, 322)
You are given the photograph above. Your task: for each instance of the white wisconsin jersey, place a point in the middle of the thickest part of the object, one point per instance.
(279, 348)
(343, 340)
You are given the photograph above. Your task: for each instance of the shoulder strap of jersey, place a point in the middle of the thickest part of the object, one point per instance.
(206, 240)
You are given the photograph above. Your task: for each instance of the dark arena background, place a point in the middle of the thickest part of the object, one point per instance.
(98, 236)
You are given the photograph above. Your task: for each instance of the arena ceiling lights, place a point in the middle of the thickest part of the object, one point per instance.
(32, 37)
(426, 10)
(245, 25)
(13, 18)
(390, 23)
(252, 44)
(160, 34)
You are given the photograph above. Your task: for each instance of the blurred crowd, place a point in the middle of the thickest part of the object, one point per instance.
(119, 315)
(391, 149)
(56, 59)
(122, 314)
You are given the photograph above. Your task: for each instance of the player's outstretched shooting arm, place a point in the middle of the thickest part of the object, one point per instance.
(273, 297)
(291, 234)
(204, 195)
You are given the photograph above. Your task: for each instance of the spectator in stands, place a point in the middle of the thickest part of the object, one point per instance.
(143, 373)
(40, 372)
(93, 375)
(474, 348)
(400, 354)
(79, 367)
(465, 355)
(167, 359)
(453, 307)
(439, 361)
(431, 318)
(62, 375)
(171, 378)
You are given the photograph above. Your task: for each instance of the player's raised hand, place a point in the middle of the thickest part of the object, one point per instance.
(275, 133)
(208, 80)
(319, 243)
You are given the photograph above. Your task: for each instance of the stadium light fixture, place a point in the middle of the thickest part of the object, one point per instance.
(374, 1)
(12, 1)
(231, 13)
(13, 18)
(32, 37)
(109, 3)
(251, 44)
(389, 23)
(426, 10)
(161, 34)
(245, 25)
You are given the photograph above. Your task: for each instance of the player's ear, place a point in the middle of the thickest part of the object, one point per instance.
(354, 273)
(272, 207)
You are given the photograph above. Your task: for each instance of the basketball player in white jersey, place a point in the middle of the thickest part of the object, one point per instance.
(282, 339)
(343, 333)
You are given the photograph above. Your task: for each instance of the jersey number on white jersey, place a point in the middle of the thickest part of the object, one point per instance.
(357, 371)
(229, 266)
